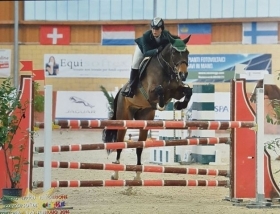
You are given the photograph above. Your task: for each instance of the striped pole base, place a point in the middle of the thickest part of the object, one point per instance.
(122, 183)
(136, 168)
(138, 144)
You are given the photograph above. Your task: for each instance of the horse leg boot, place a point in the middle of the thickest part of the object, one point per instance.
(138, 153)
(159, 92)
(187, 91)
(132, 85)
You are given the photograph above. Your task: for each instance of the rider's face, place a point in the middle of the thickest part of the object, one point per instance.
(156, 32)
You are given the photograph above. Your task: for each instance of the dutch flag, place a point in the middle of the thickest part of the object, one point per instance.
(118, 35)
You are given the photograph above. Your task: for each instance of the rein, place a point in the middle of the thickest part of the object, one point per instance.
(171, 70)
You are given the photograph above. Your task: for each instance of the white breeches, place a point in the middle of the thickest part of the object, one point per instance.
(137, 58)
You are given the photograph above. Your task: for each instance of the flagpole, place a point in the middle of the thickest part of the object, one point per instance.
(16, 44)
(155, 8)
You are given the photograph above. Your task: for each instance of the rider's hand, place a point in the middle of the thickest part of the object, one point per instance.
(160, 48)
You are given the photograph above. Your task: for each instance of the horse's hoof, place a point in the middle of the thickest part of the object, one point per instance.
(160, 108)
(116, 162)
(113, 178)
(177, 106)
(137, 177)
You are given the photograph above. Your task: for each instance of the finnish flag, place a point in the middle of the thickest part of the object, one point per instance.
(260, 33)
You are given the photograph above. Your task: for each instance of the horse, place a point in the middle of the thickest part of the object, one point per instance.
(161, 79)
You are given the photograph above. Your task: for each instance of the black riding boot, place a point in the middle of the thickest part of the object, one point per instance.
(133, 81)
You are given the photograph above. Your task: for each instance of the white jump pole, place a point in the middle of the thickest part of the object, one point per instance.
(47, 136)
(260, 195)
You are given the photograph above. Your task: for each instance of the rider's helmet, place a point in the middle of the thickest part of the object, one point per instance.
(157, 22)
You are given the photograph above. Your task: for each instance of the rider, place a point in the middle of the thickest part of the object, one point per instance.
(151, 43)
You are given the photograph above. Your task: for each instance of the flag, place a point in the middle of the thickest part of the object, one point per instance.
(54, 35)
(201, 33)
(27, 65)
(260, 33)
(38, 74)
(118, 35)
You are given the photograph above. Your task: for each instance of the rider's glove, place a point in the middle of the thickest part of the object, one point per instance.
(159, 49)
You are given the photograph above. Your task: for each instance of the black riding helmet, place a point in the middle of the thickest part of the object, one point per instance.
(157, 22)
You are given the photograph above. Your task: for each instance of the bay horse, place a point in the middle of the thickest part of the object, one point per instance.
(161, 79)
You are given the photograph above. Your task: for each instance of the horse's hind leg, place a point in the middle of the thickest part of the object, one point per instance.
(120, 138)
(142, 137)
(144, 114)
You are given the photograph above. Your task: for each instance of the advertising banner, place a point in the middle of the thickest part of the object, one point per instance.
(202, 67)
(222, 106)
(87, 65)
(81, 105)
(223, 67)
(5, 62)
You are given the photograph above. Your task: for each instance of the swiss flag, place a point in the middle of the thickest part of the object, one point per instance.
(55, 35)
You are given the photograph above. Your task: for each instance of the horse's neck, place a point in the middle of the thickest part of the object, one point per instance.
(165, 61)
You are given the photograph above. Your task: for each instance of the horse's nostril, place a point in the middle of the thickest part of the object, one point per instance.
(183, 76)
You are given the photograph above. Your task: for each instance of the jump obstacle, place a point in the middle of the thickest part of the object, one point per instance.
(135, 168)
(243, 177)
(123, 183)
(148, 124)
(21, 137)
(137, 144)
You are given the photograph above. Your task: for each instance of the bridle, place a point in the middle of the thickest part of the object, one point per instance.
(172, 67)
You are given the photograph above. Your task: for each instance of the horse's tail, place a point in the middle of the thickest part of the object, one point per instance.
(110, 135)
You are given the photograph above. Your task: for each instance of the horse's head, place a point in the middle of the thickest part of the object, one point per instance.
(176, 57)
(254, 93)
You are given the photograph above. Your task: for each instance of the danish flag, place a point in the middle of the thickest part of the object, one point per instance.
(55, 35)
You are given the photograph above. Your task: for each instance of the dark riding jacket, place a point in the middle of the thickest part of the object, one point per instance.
(148, 44)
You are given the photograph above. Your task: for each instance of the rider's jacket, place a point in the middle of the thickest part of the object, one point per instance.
(148, 44)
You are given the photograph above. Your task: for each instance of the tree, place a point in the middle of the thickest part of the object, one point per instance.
(10, 108)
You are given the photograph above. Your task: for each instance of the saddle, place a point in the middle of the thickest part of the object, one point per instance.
(142, 67)
(145, 62)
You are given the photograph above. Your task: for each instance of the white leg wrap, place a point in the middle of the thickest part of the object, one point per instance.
(160, 108)
(138, 176)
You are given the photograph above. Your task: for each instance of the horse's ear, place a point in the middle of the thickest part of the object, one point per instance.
(186, 40)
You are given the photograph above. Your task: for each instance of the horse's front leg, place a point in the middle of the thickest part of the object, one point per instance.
(187, 92)
(159, 92)
(120, 137)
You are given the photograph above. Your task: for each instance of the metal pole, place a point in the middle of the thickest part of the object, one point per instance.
(16, 44)
(48, 137)
(260, 146)
(155, 8)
